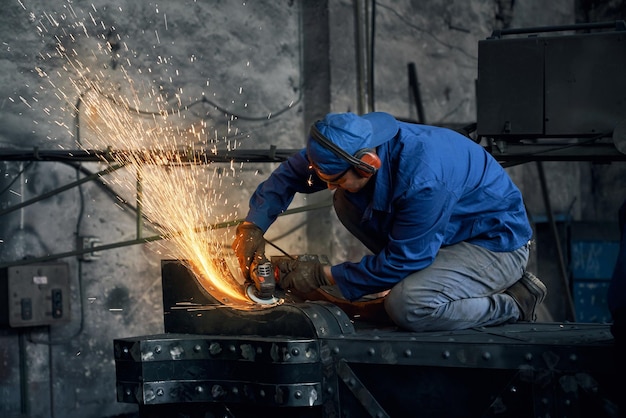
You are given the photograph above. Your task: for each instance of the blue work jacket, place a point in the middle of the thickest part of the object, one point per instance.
(435, 188)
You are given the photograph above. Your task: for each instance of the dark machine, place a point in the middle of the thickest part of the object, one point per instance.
(554, 93)
(324, 357)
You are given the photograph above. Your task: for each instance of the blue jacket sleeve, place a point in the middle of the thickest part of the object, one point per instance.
(273, 196)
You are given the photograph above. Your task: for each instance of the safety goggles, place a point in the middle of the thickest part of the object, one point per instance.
(333, 180)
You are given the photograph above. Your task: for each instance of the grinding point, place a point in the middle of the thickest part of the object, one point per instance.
(253, 295)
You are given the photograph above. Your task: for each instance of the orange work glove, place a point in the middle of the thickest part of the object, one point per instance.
(249, 245)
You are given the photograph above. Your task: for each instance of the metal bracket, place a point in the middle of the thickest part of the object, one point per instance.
(359, 391)
(84, 244)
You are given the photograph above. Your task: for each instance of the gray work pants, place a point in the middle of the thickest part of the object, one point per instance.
(461, 289)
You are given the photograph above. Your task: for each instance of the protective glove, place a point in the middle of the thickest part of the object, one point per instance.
(249, 246)
(304, 276)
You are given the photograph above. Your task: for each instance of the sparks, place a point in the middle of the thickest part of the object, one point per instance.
(180, 195)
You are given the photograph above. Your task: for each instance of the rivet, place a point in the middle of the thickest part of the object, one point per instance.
(445, 354)
(329, 390)
(568, 402)
(127, 391)
(160, 392)
(371, 351)
(408, 352)
(199, 389)
(295, 351)
(379, 414)
(336, 350)
(262, 393)
(235, 391)
(338, 312)
(573, 357)
(513, 389)
(528, 357)
(297, 394)
(352, 382)
(157, 349)
(215, 348)
(197, 348)
(125, 350)
(544, 401)
(486, 355)
(217, 391)
(232, 348)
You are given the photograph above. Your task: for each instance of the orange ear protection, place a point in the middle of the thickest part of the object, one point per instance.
(365, 161)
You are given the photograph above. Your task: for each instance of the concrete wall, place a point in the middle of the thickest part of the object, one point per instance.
(246, 75)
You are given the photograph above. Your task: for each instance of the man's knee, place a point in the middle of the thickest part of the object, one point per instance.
(411, 313)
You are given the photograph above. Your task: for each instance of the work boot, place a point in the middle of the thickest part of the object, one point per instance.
(528, 292)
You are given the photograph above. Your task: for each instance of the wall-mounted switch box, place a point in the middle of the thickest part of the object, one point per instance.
(34, 295)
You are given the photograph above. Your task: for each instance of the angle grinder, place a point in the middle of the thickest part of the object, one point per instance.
(263, 285)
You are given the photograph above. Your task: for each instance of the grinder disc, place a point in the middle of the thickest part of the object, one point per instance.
(252, 294)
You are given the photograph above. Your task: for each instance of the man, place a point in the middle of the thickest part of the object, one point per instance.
(446, 225)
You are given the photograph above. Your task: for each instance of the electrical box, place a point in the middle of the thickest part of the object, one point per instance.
(34, 295)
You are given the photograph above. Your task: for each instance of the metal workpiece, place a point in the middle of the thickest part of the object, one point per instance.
(311, 359)
(189, 308)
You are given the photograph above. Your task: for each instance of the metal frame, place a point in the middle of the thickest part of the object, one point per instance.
(310, 359)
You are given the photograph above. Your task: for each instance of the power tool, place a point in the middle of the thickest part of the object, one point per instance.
(263, 285)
